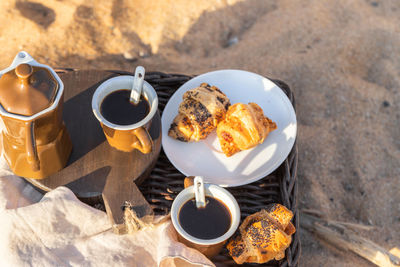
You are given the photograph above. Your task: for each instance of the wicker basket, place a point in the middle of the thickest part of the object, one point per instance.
(165, 182)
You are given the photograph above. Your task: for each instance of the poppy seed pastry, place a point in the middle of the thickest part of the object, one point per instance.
(263, 236)
(199, 113)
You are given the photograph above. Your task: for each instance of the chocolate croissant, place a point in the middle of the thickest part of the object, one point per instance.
(199, 113)
(244, 127)
(263, 236)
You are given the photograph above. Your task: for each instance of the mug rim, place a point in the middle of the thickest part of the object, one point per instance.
(106, 85)
(187, 194)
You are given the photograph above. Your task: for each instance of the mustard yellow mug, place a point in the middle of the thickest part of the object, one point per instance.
(126, 137)
(209, 247)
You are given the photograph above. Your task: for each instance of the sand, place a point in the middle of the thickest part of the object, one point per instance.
(341, 58)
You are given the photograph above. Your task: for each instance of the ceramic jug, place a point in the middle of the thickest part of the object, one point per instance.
(35, 140)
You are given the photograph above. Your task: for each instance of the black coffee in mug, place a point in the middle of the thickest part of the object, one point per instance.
(118, 109)
(210, 222)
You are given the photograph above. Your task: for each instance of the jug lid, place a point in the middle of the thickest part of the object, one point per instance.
(27, 90)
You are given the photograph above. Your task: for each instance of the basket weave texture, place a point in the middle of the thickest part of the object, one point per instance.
(165, 181)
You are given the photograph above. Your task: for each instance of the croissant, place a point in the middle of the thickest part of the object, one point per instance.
(263, 236)
(199, 113)
(244, 127)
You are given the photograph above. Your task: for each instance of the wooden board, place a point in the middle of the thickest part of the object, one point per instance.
(95, 169)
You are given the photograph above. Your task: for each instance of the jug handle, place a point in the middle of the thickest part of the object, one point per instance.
(31, 149)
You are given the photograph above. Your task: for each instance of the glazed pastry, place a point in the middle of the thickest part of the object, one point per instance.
(263, 236)
(201, 110)
(244, 127)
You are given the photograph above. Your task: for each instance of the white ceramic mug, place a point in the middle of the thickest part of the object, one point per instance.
(126, 137)
(209, 247)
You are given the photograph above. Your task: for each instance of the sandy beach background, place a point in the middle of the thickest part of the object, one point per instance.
(341, 59)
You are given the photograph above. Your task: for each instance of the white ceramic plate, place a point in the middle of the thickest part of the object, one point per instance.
(205, 158)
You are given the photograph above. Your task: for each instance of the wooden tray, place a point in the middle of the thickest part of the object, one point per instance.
(95, 169)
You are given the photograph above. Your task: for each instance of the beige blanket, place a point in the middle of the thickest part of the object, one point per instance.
(56, 229)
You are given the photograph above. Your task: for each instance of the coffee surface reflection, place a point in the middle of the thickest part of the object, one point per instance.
(206, 223)
(117, 108)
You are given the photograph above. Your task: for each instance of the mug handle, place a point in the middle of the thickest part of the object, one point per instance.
(143, 143)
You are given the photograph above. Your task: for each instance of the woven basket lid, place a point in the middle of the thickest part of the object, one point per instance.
(27, 90)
